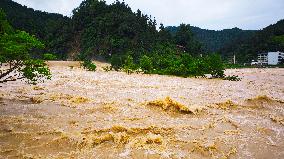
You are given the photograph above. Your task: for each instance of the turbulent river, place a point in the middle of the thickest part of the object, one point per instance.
(80, 114)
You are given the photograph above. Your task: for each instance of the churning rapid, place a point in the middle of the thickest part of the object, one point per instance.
(101, 114)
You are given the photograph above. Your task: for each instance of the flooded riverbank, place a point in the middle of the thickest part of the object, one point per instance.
(101, 114)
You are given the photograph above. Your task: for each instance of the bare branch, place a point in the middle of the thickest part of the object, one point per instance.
(9, 80)
(9, 71)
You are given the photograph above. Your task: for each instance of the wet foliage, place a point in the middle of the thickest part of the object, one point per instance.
(16, 62)
(89, 65)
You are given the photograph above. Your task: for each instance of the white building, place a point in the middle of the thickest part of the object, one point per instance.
(270, 58)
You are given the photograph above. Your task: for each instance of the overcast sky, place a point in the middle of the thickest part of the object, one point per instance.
(208, 14)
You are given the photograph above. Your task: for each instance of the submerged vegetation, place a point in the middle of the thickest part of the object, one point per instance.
(89, 65)
(182, 65)
(232, 78)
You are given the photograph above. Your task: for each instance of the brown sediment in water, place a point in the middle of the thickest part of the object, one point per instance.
(69, 98)
(212, 149)
(38, 88)
(80, 114)
(260, 102)
(148, 138)
(225, 105)
(277, 119)
(170, 105)
(64, 99)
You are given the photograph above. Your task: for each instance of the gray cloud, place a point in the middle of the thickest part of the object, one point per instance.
(209, 14)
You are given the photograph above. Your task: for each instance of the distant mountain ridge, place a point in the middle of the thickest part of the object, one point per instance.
(245, 44)
(214, 41)
(63, 35)
(268, 39)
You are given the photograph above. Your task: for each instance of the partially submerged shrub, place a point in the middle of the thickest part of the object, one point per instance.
(232, 78)
(87, 64)
(35, 71)
(146, 64)
(107, 68)
(169, 63)
(168, 60)
(215, 65)
(129, 66)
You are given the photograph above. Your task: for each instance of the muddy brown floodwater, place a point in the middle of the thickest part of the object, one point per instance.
(81, 114)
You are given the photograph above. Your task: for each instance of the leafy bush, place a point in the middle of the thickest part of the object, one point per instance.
(87, 64)
(49, 56)
(129, 66)
(166, 60)
(116, 62)
(185, 65)
(215, 65)
(35, 70)
(198, 67)
(146, 64)
(107, 68)
(15, 55)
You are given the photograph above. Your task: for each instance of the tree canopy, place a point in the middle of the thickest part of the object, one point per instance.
(265, 40)
(15, 55)
(99, 30)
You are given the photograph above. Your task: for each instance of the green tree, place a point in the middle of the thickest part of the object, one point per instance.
(215, 66)
(15, 60)
(129, 65)
(89, 65)
(185, 38)
(146, 64)
(164, 35)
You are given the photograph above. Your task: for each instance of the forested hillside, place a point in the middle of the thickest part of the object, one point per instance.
(99, 30)
(214, 41)
(270, 38)
(245, 44)
(52, 29)
(112, 29)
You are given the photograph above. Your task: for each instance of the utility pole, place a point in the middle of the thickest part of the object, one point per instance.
(234, 59)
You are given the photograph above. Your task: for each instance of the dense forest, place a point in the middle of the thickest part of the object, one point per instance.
(99, 30)
(268, 39)
(52, 29)
(214, 41)
(245, 44)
